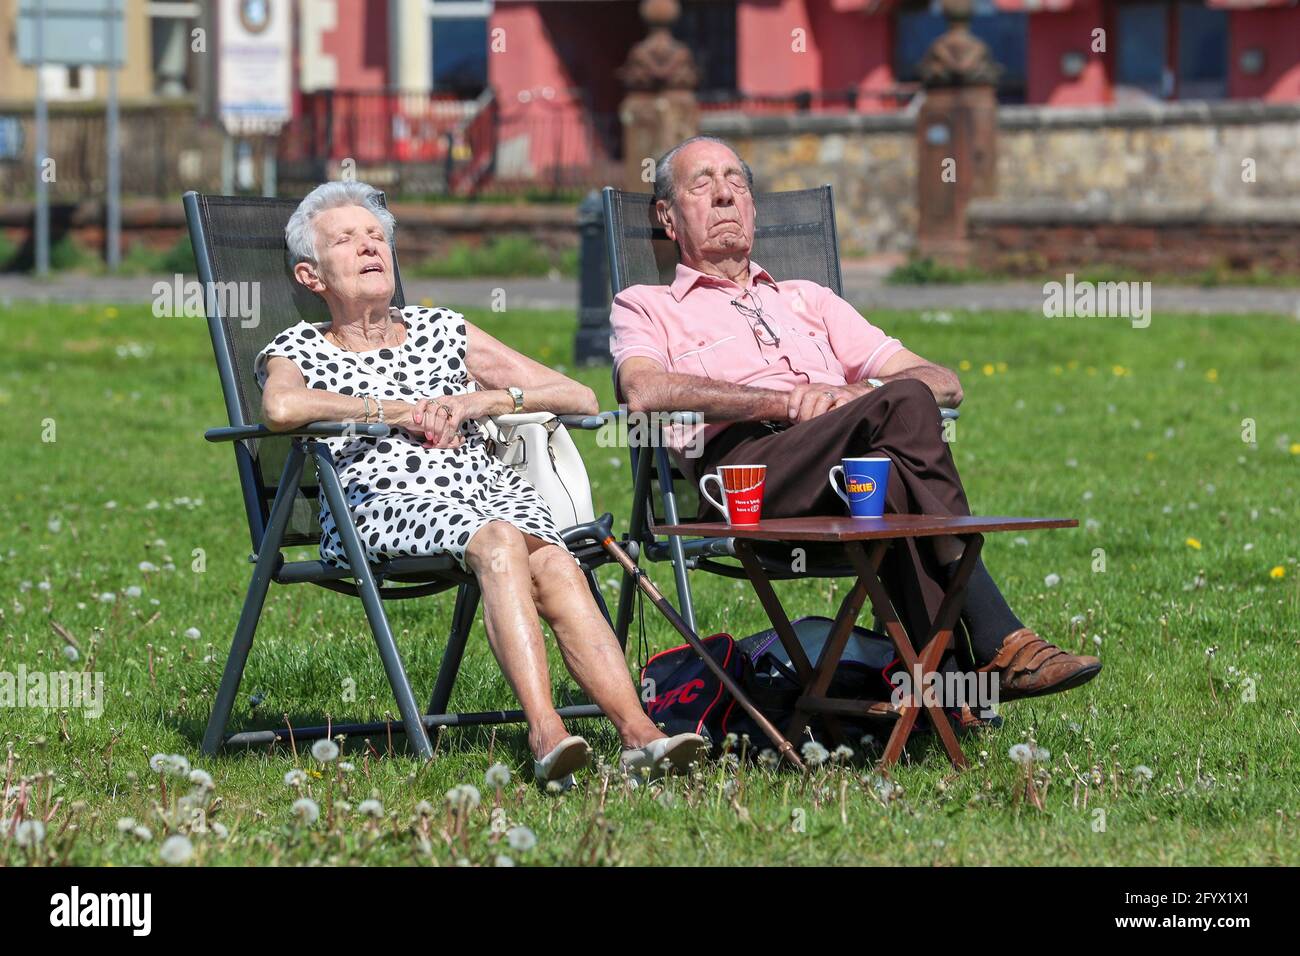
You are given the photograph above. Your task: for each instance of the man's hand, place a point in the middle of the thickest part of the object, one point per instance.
(808, 401)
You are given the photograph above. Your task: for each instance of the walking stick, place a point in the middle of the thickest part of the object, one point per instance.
(667, 610)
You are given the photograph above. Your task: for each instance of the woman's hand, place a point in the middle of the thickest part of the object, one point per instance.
(438, 420)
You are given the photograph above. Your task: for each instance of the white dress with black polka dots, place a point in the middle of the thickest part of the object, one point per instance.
(408, 500)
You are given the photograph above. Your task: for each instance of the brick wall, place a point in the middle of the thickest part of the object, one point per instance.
(1185, 185)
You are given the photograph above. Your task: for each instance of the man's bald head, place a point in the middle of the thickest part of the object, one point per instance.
(704, 197)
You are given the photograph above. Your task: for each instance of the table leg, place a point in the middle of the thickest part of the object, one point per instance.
(775, 612)
(833, 649)
(931, 653)
(806, 673)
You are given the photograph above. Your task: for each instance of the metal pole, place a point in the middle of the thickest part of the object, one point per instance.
(114, 179)
(227, 164)
(42, 147)
(269, 168)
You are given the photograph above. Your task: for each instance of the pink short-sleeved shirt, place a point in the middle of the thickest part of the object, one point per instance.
(691, 327)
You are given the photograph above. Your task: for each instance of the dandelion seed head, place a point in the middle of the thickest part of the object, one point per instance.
(29, 833)
(325, 751)
(176, 850)
(521, 839)
(814, 753)
(307, 810)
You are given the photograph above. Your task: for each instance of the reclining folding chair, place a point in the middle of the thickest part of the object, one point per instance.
(283, 474)
(794, 239)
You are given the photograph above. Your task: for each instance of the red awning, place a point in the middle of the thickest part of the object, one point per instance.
(1033, 6)
(870, 7)
(1248, 4)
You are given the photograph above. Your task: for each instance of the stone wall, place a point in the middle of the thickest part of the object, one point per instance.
(423, 230)
(869, 160)
(1179, 174)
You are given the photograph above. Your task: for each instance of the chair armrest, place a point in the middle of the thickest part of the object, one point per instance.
(586, 422)
(319, 429)
(583, 422)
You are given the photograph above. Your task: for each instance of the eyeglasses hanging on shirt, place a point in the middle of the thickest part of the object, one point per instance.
(758, 321)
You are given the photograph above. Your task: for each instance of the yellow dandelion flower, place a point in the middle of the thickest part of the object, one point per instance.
(1002, 366)
(1278, 573)
(1194, 544)
(987, 369)
(1118, 370)
(964, 365)
(316, 774)
(1295, 448)
(1072, 364)
(1057, 370)
(110, 312)
(1212, 375)
(426, 302)
(1151, 456)
(1091, 370)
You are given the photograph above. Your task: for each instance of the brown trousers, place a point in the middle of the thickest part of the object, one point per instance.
(900, 420)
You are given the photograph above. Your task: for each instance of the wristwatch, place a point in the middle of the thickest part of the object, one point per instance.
(518, 395)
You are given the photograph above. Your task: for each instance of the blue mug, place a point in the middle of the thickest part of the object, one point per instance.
(866, 481)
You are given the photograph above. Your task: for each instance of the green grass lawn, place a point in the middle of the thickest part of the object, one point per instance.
(1137, 433)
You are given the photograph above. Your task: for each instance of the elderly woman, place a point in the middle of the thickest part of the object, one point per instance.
(430, 487)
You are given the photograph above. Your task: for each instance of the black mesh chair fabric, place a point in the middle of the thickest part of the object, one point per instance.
(794, 238)
(245, 244)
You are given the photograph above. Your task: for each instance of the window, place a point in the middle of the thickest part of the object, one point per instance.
(708, 28)
(918, 25)
(170, 51)
(460, 55)
(1148, 61)
(1202, 52)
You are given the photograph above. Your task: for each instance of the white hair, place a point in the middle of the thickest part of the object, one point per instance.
(300, 233)
(666, 175)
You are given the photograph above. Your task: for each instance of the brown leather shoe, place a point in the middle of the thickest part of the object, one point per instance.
(1028, 666)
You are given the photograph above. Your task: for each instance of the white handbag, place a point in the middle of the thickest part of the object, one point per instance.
(538, 447)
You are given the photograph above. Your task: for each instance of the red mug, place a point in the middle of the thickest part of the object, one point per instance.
(741, 487)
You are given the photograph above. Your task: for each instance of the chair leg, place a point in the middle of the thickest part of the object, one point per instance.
(268, 556)
(462, 619)
(594, 586)
(685, 603)
(371, 600)
(638, 531)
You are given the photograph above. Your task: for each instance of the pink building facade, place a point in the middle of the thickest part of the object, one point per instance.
(551, 65)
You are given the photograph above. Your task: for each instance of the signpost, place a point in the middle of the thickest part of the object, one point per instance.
(254, 89)
(74, 33)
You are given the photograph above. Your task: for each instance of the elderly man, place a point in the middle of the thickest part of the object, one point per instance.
(788, 374)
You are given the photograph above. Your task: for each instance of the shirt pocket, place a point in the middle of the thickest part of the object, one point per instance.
(812, 350)
(705, 357)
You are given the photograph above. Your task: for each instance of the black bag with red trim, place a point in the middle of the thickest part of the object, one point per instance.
(684, 696)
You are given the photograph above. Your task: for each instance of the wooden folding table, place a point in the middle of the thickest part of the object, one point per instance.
(865, 541)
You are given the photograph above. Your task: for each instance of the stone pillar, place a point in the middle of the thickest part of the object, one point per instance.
(658, 112)
(660, 109)
(956, 132)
